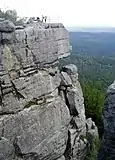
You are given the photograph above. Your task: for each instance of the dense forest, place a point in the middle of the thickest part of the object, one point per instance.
(93, 43)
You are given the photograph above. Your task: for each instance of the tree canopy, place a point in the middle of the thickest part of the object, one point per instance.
(12, 16)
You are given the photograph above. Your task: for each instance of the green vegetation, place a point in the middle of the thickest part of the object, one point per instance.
(97, 70)
(30, 103)
(9, 15)
(12, 16)
(95, 75)
(94, 149)
(94, 99)
(93, 43)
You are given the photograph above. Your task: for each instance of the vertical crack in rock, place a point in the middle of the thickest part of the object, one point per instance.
(26, 41)
(66, 99)
(18, 94)
(72, 109)
(3, 41)
(34, 59)
(2, 135)
(65, 96)
(1, 92)
(17, 149)
(68, 151)
(27, 48)
(73, 124)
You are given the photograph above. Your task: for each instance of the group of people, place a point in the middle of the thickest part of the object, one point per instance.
(44, 19)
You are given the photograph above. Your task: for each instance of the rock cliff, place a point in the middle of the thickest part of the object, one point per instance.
(42, 115)
(107, 149)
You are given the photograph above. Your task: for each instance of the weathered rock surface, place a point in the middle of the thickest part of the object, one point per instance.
(6, 26)
(34, 120)
(61, 158)
(107, 149)
(65, 79)
(42, 115)
(80, 128)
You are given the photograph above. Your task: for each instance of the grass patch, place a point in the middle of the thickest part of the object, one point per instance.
(92, 155)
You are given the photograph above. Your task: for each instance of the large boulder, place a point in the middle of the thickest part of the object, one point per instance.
(6, 26)
(76, 102)
(72, 71)
(65, 79)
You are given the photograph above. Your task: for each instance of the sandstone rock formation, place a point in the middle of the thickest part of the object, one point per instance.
(79, 128)
(42, 115)
(6, 26)
(107, 149)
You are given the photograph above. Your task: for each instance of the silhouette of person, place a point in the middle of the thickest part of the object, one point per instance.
(38, 19)
(45, 18)
(42, 18)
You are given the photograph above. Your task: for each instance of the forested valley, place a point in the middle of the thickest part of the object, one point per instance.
(94, 55)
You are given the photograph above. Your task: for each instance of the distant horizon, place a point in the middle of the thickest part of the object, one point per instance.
(90, 26)
(91, 29)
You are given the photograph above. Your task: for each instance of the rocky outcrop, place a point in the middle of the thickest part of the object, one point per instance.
(42, 115)
(6, 26)
(80, 130)
(107, 149)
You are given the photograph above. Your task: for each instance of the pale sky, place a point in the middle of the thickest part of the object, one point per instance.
(69, 12)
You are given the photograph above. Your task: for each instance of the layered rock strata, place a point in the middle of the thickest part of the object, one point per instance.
(42, 115)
